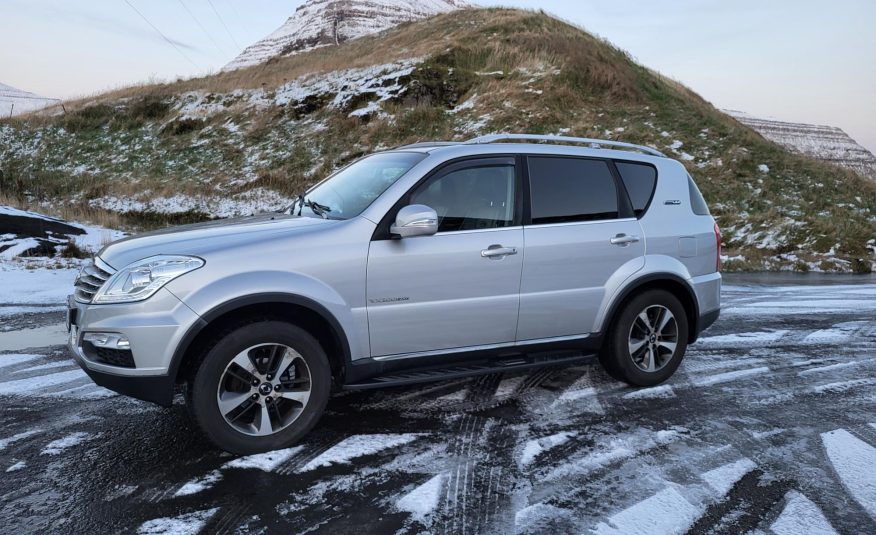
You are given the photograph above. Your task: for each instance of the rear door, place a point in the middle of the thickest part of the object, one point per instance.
(581, 231)
(459, 288)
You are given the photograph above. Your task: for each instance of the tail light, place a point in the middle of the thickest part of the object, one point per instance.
(718, 248)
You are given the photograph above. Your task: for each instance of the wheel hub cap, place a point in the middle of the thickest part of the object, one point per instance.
(265, 389)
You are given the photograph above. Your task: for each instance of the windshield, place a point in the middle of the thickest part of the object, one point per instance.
(351, 190)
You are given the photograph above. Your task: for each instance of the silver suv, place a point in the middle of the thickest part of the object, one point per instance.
(426, 262)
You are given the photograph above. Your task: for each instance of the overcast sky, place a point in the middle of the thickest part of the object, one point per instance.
(796, 60)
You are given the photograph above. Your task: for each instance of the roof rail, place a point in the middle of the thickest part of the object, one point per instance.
(564, 139)
(428, 144)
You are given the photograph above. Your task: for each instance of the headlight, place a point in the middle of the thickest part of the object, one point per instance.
(143, 278)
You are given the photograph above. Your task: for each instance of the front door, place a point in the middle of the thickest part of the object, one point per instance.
(459, 288)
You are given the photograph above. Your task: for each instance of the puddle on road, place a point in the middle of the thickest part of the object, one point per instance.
(50, 335)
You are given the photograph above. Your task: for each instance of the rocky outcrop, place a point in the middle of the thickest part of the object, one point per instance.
(331, 22)
(825, 143)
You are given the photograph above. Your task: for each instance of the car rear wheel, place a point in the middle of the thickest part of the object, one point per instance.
(261, 387)
(647, 340)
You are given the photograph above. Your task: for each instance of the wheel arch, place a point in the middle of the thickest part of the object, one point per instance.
(303, 311)
(670, 282)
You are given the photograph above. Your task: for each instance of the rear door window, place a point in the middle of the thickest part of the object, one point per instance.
(565, 190)
(640, 181)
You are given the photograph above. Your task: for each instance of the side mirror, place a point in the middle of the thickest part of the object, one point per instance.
(415, 220)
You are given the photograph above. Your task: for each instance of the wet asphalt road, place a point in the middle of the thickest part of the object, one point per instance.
(770, 425)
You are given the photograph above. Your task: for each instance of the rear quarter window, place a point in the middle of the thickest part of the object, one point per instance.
(640, 181)
(697, 203)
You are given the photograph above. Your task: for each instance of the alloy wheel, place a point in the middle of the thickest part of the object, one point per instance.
(264, 389)
(653, 338)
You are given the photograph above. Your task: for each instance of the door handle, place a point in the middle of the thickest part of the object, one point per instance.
(498, 251)
(623, 240)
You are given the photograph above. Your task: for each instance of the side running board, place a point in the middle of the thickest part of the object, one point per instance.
(429, 374)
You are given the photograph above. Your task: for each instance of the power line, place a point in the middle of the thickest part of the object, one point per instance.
(171, 43)
(198, 22)
(223, 24)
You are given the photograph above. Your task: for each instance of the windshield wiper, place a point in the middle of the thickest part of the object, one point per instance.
(300, 202)
(319, 209)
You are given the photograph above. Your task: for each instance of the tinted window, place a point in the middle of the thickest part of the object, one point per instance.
(471, 198)
(640, 181)
(697, 203)
(570, 189)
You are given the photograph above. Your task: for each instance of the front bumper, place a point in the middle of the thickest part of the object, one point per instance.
(155, 388)
(154, 328)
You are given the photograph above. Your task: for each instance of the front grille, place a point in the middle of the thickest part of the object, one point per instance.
(106, 355)
(92, 276)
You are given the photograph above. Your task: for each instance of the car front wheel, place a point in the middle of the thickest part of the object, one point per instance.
(261, 387)
(647, 340)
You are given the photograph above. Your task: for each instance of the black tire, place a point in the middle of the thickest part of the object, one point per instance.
(202, 390)
(616, 357)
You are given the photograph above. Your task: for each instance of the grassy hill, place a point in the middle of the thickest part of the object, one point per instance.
(249, 140)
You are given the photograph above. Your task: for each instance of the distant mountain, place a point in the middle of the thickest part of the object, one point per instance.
(16, 102)
(825, 143)
(331, 22)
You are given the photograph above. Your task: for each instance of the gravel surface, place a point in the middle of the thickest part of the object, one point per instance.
(769, 425)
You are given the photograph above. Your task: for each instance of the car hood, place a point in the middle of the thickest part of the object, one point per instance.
(201, 238)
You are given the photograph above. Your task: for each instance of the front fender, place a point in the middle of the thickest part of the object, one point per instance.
(352, 321)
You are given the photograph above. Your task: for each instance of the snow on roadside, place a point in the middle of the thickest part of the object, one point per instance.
(853, 460)
(655, 392)
(800, 515)
(4, 442)
(11, 359)
(197, 485)
(710, 380)
(22, 286)
(56, 447)
(264, 461)
(666, 512)
(423, 500)
(359, 446)
(20, 465)
(724, 477)
(187, 524)
(535, 447)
